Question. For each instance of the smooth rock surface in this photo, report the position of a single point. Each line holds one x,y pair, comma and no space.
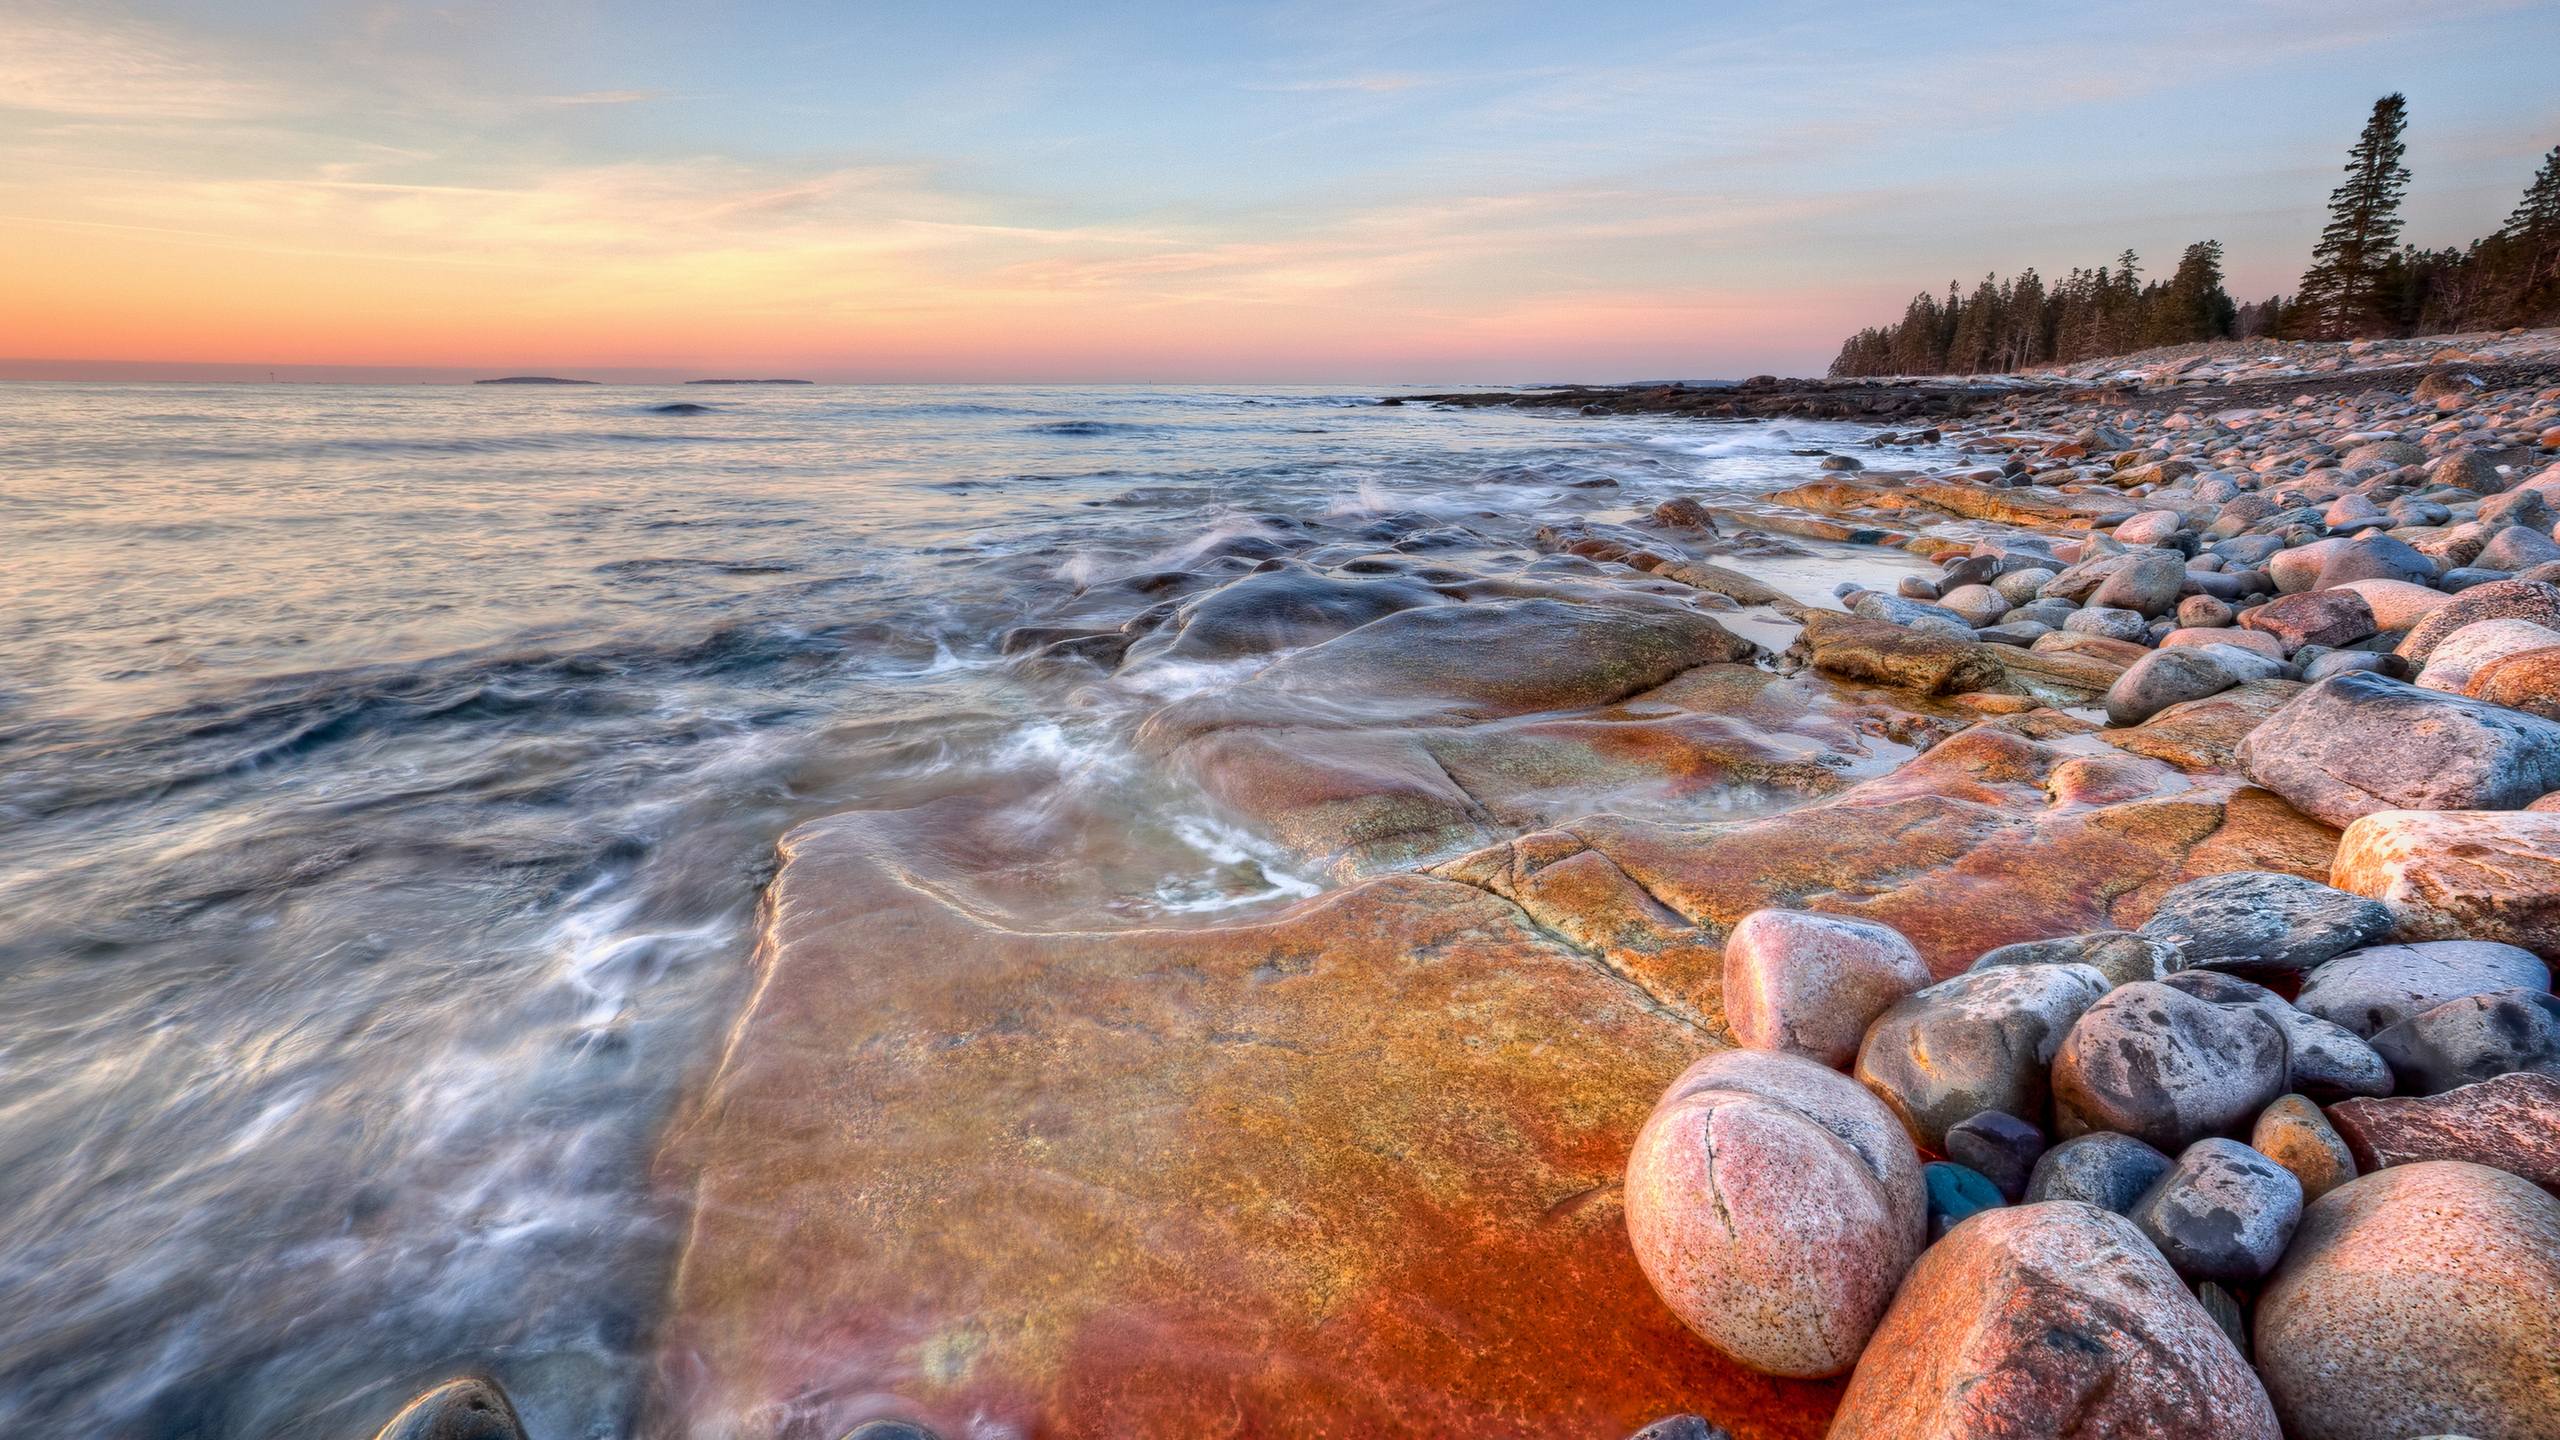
2496,600
2293,1133
2110,1171
2491,876
2122,956
1772,1204
2056,1320
2223,1212
1809,984
2416,1300
2511,1123
1984,1040
2370,990
2462,655
2156,1063
2474,1038
2357,743
2261,922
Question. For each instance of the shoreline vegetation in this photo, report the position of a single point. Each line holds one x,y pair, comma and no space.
2362,283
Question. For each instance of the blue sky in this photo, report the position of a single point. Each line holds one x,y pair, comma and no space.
1146,191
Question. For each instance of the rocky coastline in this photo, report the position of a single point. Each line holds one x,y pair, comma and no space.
2122,1007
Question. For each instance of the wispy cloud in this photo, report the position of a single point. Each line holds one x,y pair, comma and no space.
60,61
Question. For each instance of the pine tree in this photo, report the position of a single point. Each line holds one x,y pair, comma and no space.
2532,235
2342,292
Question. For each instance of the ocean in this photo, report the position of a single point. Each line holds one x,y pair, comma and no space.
388,776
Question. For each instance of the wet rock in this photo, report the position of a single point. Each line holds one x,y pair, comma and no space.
1808,984
1984,1040
2368,991
2315,617
2357,743
2496,600
1916,615
2474,1038
2156,1063
2164,678
466,1409
890,1430
1957,1193
2108,1170
2293,1133
1281,610
2120,955
1774,1205
1011,1133
2223,1212
2511,1123
2049,1320
2261,922
2464,653
2416,1300
1999,1147
2487,875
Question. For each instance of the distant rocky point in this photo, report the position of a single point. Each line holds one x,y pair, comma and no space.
532,380
747,382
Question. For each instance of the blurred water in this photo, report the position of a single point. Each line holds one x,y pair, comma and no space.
387,776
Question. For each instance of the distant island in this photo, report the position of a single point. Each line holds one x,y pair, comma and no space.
532,380
747,382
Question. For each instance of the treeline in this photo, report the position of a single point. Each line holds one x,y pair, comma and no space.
2361,282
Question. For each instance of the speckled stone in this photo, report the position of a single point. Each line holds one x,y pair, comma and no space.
1809,984
2358,743
2223,1212
2370,990
1984,1040
2256,921
1774,1205
2056,1319
2120,955
2156,1063
2474,1038
2293,1133
2107,1170
2417,1300
2478,875
2511,1123
2324,1061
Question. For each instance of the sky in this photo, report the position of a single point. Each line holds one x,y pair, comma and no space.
1397,190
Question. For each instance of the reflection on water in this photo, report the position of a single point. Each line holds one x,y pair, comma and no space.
387,777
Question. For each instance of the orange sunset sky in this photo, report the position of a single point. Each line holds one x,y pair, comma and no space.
1168,192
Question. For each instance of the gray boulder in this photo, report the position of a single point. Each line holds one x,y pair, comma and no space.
1984,1040
2478,1037
2120,955
2357,743
2369,991
2149,586
2325,1061
2374,557
2260,921
2164,678
2114,624
2492,600
2154,1062
2110,1171
2223,1212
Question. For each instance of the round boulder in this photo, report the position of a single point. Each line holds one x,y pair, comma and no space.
1774,1205
2370,990
2475,1038
2156,1063
2263,921
1984,1040
2049,1320
1809,984
2417,1301
2110,1171
2223,1212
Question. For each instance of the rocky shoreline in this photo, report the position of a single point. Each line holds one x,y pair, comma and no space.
2096,984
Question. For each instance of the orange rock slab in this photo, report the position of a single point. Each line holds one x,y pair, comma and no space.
1352,1171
